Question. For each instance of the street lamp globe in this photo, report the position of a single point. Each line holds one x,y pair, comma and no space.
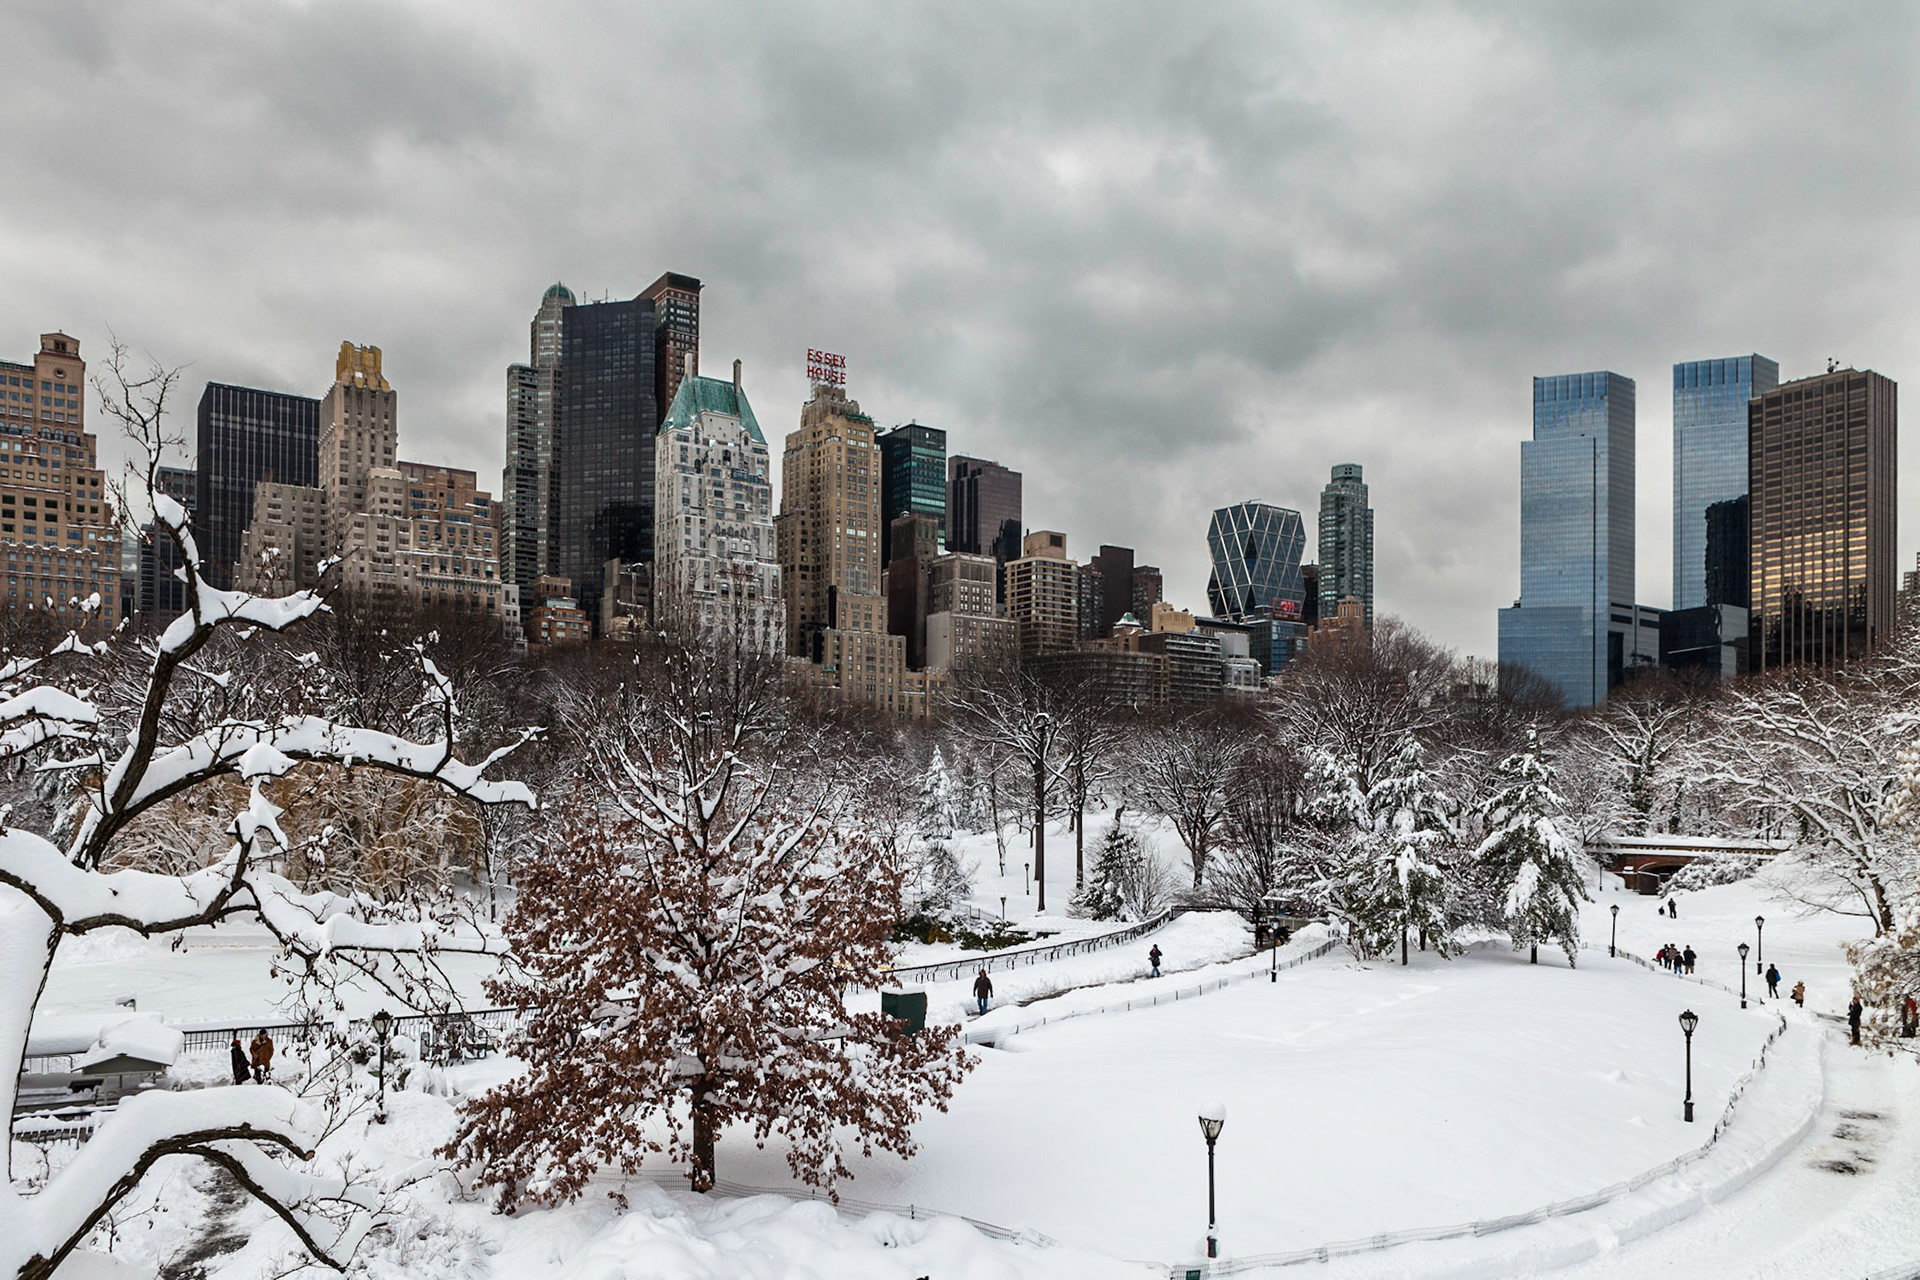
1688,1021
382,1023
1212,1120
1743,949
1615,908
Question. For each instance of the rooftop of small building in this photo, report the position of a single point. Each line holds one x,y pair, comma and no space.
698,395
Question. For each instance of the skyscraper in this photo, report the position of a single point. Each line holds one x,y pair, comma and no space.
913,480
983,512
716,565
1256,549
1346,543
161,596
244,436
1709,455
676,333
1820,456
526,483
829,523
1576,539
1113,570
1043,594
603,443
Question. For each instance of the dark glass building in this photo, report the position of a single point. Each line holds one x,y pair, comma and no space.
1256,548
246,435
1709,456
983,513
603,443
1728,551
913,480
1115,569
1820,459
160,597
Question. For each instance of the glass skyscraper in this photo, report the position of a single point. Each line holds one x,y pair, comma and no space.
1346,542
1575,624
1256,549
244,436
1709,455
913,480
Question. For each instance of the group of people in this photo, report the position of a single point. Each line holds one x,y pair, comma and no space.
255,1062
1674,960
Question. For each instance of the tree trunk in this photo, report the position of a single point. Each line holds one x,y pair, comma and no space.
705,1124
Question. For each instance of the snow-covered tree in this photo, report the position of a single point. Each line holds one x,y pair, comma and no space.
940,800
124,758
1529,862
686,945
1115,862
1182,774
1411,825
1009,712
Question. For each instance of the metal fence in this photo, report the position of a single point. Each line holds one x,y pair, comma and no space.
1492,1226
1014,957
441,1036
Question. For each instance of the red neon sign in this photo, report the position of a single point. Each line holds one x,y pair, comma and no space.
826,367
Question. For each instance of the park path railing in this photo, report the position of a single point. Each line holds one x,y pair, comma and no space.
1040,953
1492,1226
1312,951
439,1029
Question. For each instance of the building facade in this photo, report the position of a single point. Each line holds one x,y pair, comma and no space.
527,480
716,567
160,595
1255,548
1709,456
1043,594
828,529
913,481
1821,472
1576,538
676,334
245,436
56,521
983,511
1346,542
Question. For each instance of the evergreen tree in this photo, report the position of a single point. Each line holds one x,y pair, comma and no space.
1411,824
940,800
1529,860
1116,865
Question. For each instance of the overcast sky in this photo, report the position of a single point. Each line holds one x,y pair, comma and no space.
1158,258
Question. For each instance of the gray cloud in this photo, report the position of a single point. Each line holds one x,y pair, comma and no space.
1158,259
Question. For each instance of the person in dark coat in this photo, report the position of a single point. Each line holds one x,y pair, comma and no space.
1673,908
242,1069
1688,956
1153,958
1854,1010
983,988
1773,982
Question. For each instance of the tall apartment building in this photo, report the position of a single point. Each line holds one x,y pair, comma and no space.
676,334
983,512
1114,571
1255,548
829,523
964,629
916,544
913,481
603,453
406,531
160,595
1346,542
1821,457
716,566
1574,622
527,481
1709,456
1043,594
56,522
1148,588
245,436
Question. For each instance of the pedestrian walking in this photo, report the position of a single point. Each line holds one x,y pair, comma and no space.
983,988
1854,1010
1689,957
1661,956
242,1069
1909,1017
1800,994
1673,908
261,1051
1153,958
1773,982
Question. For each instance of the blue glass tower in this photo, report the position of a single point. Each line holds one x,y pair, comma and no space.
1709,455
1576,538
1256,549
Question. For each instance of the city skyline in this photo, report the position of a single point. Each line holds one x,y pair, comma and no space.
1015,295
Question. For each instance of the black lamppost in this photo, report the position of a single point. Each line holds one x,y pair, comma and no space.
1273,951
1614,937
1688,1021
1212,1120
1743,975
382,1028
1759,944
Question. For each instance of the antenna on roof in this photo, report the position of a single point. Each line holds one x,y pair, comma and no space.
1833,364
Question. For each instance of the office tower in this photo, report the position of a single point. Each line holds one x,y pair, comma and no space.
1113,578
1255,548
915,538
1821,454
1728,548
411,532
526,483
603,443
160,595
1043,594
1346,542
56,522
676,334
983,512
1709,455
963,626
1309,596
1576,538
245,436
913,481
716,568
1147,590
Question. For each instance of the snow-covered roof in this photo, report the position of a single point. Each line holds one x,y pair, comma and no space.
99,1037
1695,844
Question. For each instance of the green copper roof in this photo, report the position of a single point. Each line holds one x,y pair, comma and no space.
699,395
